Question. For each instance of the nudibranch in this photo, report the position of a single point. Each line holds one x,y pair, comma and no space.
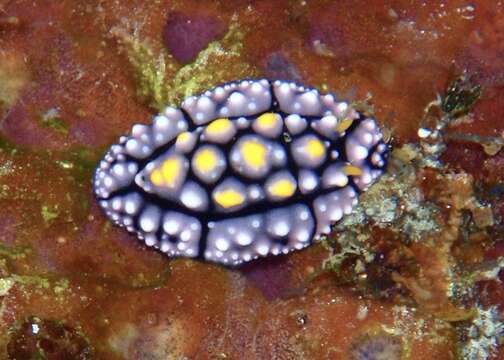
245,170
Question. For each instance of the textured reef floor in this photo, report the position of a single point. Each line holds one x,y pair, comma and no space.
414,273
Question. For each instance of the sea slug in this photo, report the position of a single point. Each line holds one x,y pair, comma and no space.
245,170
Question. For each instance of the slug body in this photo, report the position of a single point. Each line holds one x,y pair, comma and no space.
245,170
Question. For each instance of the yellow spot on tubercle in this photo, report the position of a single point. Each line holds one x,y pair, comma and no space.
267,120
282,188
218,126
254,154
352,170
183,137
343,125
205,160
167,173
229,198
157,178
315,148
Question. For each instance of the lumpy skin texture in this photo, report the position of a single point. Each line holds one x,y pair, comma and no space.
245,170
119,294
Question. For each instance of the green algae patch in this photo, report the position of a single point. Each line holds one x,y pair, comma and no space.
150,70
220,62
52,119
6,168
160,79
460,96
14,253
74,168
49,214
61,286
79,164
5,285
7,147
81,161
41,284
54,184
32,280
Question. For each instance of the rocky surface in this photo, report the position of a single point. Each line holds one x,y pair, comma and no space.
415,273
